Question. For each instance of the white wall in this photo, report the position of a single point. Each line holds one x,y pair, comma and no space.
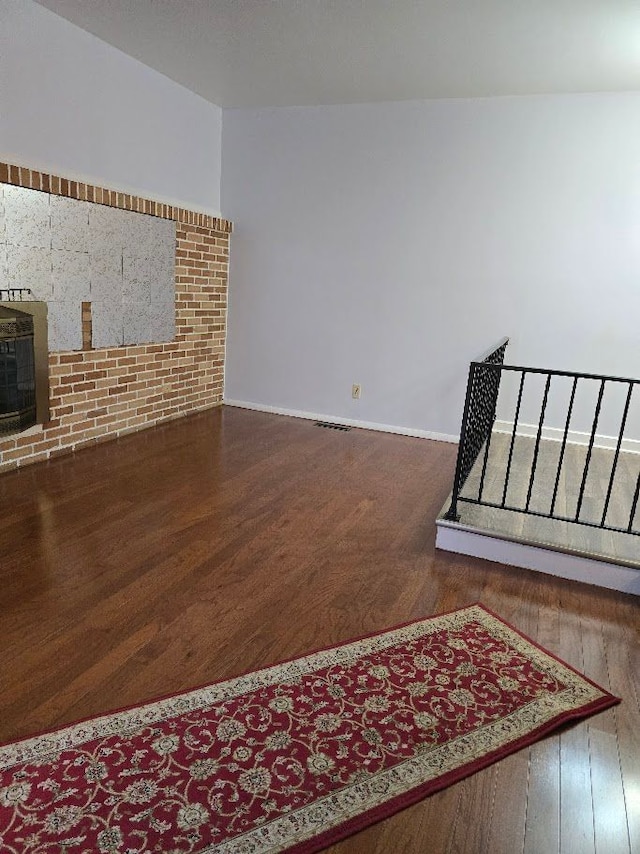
72,105
389,244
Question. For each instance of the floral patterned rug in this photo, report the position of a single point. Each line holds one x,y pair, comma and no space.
296,756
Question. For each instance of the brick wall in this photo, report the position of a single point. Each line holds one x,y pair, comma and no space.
100,394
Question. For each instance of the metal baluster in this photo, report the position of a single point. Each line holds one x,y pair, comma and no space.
534,462
617,454
564,444
589,450
513,437
634,505
452,512
494,377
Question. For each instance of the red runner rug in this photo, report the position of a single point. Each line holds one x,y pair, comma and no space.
296,756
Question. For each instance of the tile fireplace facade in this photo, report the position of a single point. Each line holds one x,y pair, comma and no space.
98,394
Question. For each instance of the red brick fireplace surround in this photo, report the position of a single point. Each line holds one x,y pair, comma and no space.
104,393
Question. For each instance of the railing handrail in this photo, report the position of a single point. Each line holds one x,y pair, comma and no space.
483,386
488,353
556,373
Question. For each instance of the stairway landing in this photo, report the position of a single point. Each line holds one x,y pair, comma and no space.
567,549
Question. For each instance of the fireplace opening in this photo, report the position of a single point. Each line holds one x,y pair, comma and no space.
24,379
17,371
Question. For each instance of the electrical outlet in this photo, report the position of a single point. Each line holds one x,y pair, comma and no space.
355,391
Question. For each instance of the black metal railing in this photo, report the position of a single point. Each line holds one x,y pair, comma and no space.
478,416
522,471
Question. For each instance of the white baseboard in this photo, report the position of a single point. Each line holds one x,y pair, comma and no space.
575,437
347,422
549,561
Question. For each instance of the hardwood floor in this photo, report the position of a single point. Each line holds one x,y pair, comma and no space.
232,539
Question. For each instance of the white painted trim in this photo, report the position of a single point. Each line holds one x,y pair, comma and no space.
575,437
561,564
347,422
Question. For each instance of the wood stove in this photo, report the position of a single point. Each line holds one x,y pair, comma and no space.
24,380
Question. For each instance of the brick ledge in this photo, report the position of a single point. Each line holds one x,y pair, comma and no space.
23,176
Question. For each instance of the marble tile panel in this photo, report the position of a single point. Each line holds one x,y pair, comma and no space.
166,235
3,237
137,323
65,325
107,228
27,217
162,277
69,224
164,291
29,267
163,321
136,277
166,244
70,275
3,267
130,228
140,235
106,275
107,324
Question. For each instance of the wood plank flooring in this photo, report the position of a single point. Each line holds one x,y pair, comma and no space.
231,540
